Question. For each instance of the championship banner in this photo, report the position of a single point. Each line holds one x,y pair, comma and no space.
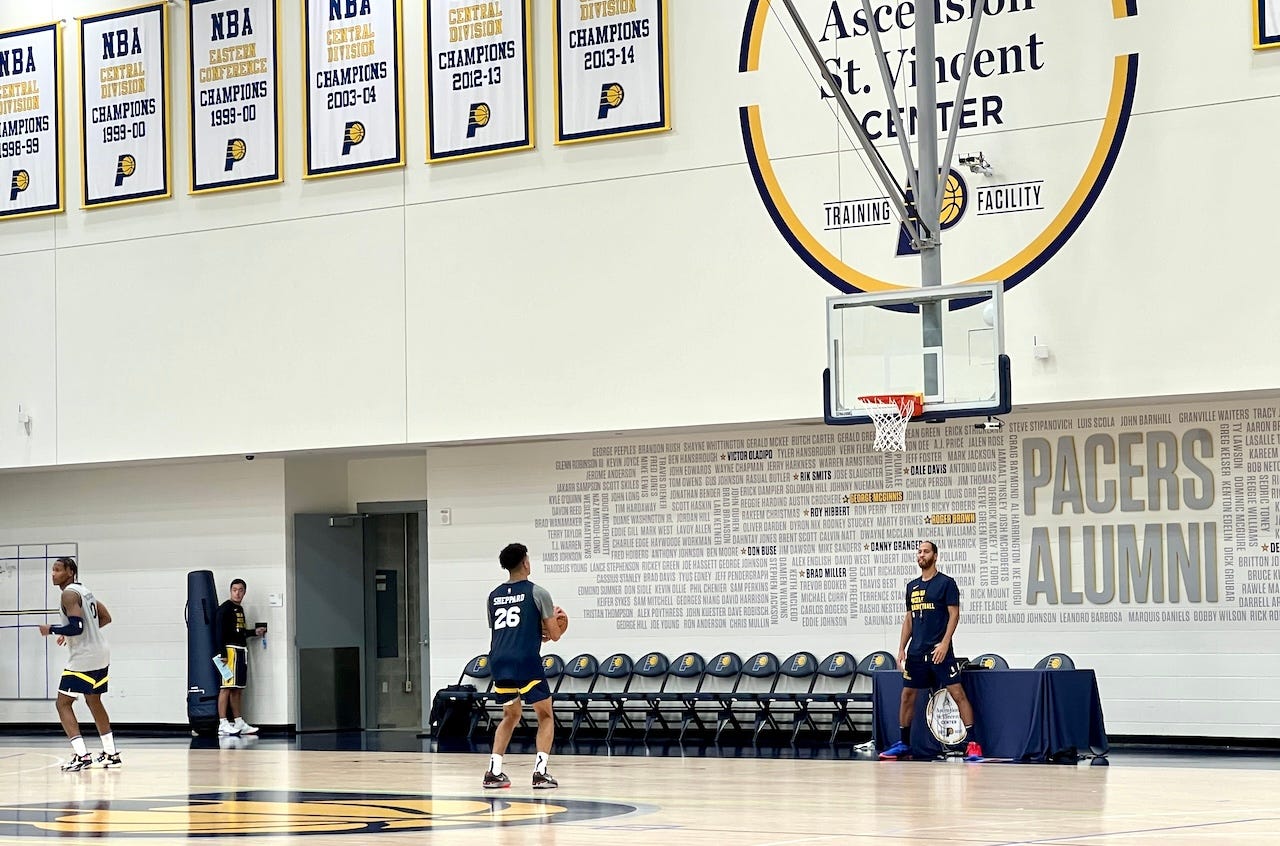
235,94
1266,23
612,75
31,121
479,78
354,85
124,96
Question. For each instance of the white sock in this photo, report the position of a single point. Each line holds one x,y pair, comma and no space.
77,745
109,743
495,764
540,765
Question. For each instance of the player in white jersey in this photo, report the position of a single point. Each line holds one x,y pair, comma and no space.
83,617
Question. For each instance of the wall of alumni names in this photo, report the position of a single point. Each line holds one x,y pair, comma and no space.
1149,517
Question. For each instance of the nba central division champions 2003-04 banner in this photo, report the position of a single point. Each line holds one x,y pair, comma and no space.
354,85
30,121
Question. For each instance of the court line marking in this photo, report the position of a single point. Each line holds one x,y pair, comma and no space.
1078,837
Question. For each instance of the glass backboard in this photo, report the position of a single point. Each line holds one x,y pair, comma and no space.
945,342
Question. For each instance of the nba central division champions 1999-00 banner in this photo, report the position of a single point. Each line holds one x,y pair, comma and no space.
354,85
124,121
235,93
479,78
31,121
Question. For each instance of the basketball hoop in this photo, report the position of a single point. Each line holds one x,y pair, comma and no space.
891,413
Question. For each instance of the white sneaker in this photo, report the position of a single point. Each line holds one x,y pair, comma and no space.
242,727
226,728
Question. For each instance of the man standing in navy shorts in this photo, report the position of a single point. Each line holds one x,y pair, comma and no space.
924,650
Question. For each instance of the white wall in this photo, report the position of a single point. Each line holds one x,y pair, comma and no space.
637,283
140,531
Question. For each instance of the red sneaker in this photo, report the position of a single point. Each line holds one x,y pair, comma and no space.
973,752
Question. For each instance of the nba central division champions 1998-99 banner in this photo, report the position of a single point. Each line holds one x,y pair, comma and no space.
30,121
235,93
124,121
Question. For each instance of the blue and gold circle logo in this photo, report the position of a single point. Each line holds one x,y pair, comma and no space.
272,812
1038,86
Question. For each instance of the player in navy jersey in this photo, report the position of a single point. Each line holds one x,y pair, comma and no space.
924,650
521,616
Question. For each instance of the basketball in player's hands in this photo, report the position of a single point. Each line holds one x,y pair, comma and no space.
563,618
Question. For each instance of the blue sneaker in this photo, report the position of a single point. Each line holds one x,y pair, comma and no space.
896,751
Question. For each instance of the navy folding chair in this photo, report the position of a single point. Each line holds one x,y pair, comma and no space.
989,661
785,702
828,697
602,701
718,679
569,702
1056,661
683,677
758,677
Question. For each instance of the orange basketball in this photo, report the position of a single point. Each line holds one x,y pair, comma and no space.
563,618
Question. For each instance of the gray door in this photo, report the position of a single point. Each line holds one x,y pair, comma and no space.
329,620
394,657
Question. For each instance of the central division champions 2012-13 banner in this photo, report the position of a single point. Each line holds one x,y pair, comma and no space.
611,68
235,94
124,121
479,78
354,85
31,121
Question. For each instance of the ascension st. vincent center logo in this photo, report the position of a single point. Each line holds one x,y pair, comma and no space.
1042,123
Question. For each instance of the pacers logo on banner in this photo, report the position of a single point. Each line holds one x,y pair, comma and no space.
477,117
18,182
126,166
236,151
1037,83
352,135
611,96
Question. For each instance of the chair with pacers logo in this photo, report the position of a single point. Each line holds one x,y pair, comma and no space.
988,661
648,676
876,662
1056,661
827,701
785,704
569,702
552,669
758,677
602,701
704,705
682,678
466,698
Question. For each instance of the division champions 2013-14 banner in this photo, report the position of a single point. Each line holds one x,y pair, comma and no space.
31,162
611,65
124,123
479,78
235,93
354,87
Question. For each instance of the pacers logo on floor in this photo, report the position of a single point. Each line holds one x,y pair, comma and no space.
1042,74
269,812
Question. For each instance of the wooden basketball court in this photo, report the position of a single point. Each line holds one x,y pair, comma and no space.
169,793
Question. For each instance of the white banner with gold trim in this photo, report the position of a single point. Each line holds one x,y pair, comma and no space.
611,65
235,93
1266,23
479,78
124,96
31,164
354,89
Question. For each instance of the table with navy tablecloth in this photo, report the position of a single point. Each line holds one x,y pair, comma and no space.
1021,715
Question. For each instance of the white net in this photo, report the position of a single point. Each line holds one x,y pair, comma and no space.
891,415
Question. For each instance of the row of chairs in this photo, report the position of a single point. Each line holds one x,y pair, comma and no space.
722,693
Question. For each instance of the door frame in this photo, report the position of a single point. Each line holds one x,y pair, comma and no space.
408,506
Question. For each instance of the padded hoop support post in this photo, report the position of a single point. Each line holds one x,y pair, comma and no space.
1004,373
